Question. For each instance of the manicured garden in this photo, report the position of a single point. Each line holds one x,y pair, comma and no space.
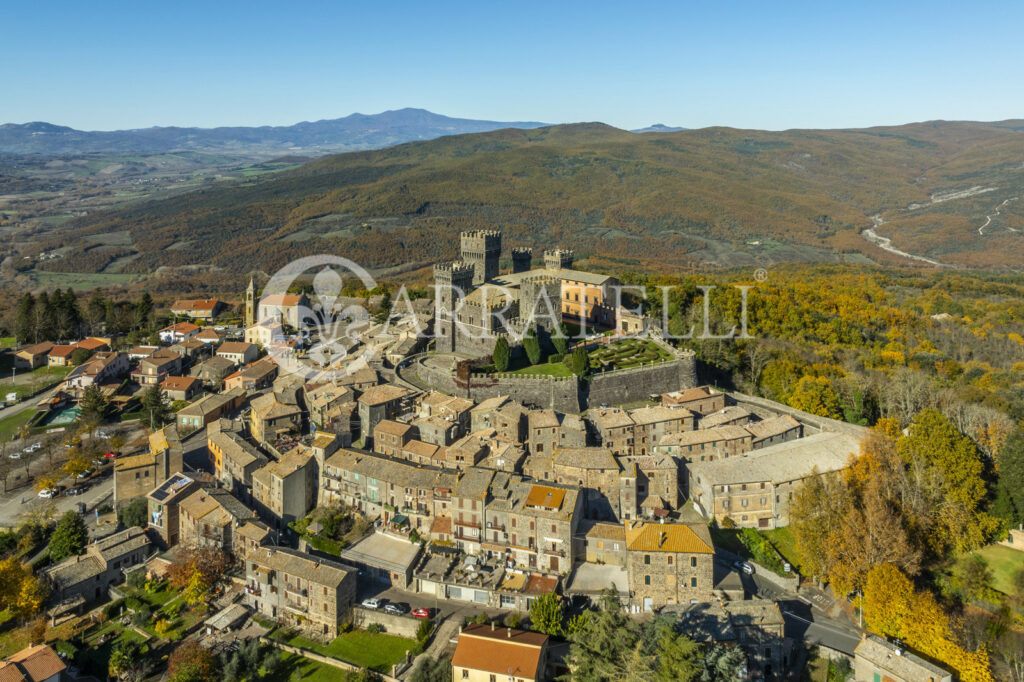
626,353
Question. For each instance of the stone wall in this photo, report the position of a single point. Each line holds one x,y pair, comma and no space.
812,423
403,626
567,394
637,383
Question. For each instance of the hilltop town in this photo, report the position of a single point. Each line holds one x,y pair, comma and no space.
412,486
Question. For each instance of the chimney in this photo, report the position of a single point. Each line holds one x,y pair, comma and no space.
510,633
460,629
661,538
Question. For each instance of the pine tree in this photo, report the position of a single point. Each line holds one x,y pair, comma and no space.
93,404
154,403
580,361
24,320
69,538
532,346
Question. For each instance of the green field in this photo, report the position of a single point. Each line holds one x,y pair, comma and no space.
294,668
552,369
367,650
785,543
1003,562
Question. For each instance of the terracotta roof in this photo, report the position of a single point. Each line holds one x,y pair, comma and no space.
10,672
38,349
504,651
234,347
689,394
441,525
391,427
39,662
193,304
61,351
281,299
178,383
91,343
545,497
669,537
182,328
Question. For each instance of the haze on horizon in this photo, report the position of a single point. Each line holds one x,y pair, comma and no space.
108,66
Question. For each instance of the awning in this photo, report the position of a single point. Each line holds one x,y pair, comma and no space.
400,520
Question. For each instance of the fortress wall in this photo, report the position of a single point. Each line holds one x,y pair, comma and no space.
636,384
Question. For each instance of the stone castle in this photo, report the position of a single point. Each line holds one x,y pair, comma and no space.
476,304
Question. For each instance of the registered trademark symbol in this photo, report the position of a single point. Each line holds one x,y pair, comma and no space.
761,275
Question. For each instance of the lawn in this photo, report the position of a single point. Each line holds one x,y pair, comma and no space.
785,543
294,668
359,647
552,369
7,341
1003,562
11,426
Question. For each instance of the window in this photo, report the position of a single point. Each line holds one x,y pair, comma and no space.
693,582
465,674
647,558
693,562
669,559
647,580
494,678
554,528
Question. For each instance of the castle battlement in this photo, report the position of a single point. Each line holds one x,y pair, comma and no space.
453,268
481,234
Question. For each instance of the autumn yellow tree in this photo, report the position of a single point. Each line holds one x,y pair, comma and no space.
892,607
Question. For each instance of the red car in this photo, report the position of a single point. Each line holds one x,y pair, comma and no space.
110,454
421,613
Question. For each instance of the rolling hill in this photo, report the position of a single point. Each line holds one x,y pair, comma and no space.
354,132
708,197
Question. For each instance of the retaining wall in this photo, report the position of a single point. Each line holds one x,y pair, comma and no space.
764,408
637,383
403,626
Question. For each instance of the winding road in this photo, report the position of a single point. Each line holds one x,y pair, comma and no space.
999,208
885,243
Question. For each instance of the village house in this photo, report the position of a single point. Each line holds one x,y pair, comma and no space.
156,367
308,593
136,475
774,430
238,352
163,506
234,459
191,351
389,437
755,490
176,333
60,355
732,415
89,575
208,408
504,415
181,388
253,377
209,336
285,490
38,663
615,428
136,353
657,483
876,659
706,445
212,371
210,518
488,653
33,356
271,417
376,403
668,563
320,398
651,424
700,400
103,367
594,470
197,308
548,430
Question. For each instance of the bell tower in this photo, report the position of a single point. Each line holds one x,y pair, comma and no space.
250,304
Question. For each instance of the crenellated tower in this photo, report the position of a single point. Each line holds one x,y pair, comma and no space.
452,281
482,250
522,258
559,259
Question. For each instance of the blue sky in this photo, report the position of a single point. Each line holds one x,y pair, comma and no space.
768,64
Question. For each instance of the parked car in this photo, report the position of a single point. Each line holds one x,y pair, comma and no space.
396,608
75,491
35,446
744,566
85,474
48,493
15,455
421,613
110,454
372,603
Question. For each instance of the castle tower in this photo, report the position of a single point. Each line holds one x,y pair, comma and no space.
250,304
559,259
522,258
482,250
452,281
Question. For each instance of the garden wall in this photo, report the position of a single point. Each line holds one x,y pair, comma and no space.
637,383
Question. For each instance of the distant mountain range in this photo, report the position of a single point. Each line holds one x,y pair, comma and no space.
659,128
351,133
928,194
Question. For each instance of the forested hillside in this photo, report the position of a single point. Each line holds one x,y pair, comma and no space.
947,192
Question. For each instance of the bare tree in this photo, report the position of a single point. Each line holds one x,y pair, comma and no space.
1009,649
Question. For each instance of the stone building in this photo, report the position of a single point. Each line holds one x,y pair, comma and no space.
596,472
162,505
548,431
90,574
377,403
390,437
668,563
755,490
136,475
234,458
211,518
615,428
651,424
504,415
657,482
285,490
309,593
876,659
700,400
774,430
706,445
